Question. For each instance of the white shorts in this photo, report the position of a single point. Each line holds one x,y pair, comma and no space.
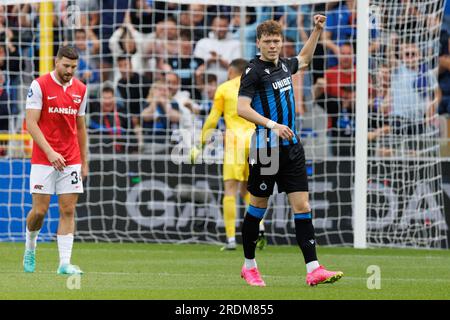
47,180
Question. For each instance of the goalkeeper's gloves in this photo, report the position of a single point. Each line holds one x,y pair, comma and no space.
195,152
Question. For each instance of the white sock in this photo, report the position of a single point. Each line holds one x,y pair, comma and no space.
311,266
250,263
65,243
261,227
232,240
31,239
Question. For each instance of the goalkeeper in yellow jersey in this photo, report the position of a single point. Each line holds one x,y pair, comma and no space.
237,142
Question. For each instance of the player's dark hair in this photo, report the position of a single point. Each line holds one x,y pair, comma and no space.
270,28
239,64
67,51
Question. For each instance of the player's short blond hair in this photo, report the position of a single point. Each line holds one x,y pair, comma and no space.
270,28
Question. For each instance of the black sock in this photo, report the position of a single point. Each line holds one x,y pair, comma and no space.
304,231
250,231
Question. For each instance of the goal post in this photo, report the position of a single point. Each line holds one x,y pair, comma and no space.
361,127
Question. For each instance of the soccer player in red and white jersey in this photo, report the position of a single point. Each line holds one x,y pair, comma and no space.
55,118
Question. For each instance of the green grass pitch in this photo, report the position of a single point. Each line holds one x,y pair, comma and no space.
175,272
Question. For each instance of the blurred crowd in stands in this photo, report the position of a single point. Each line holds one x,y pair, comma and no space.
152,67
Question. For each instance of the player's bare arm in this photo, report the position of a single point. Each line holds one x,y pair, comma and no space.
82,142
306,54
32,118
247,112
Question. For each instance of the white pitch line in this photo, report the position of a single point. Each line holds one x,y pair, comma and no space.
165,274
347,255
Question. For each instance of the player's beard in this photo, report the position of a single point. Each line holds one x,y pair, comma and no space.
65,77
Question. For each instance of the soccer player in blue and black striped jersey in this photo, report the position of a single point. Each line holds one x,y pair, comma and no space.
266,98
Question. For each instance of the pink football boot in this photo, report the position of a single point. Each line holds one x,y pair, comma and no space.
321,275
252,276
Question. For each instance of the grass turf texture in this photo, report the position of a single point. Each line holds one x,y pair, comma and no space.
169,271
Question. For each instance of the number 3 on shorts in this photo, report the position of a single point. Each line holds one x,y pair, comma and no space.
74,174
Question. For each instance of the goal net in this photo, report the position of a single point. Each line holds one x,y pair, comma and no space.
152,68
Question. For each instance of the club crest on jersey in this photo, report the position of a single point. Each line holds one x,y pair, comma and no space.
267,71
30,93
76,98
284,67
247,70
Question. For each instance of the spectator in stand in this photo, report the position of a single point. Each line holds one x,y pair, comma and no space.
90,17
27,30
162,44
340,28
112,13
159,118
126,40
4,106
343,127
185,64
25,19
379,108
10,59
208,90
289,20
133,89
414,90
343,74
213,11
87,49
249,30
328,92
345,124
444,73
107,126
4,114
141,16
163,10
305,26
186,106
446,18
219,49
192,19
5,26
